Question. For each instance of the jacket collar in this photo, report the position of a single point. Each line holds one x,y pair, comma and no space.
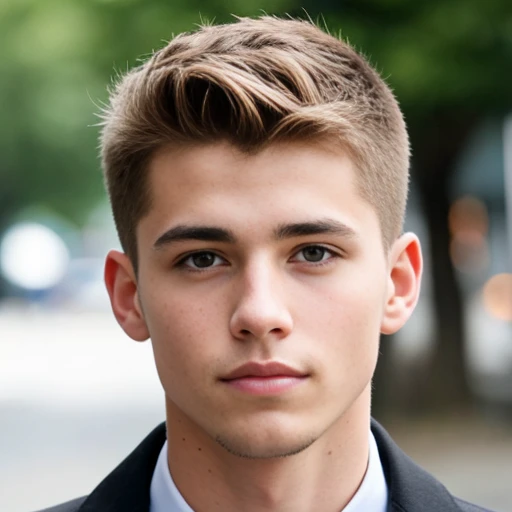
411,489
127,487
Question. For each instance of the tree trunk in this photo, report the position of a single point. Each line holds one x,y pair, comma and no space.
446,381
437,144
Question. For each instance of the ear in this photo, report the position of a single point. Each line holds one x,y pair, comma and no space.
405,268
122,289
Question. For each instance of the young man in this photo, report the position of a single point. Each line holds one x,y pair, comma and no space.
258,178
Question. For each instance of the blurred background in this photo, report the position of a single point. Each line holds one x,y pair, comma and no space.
76,395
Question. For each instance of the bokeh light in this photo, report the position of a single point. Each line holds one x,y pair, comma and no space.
469,223
497,296
33,257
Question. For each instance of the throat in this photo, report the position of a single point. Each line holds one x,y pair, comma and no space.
319,478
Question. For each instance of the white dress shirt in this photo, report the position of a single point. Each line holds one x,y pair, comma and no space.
372,495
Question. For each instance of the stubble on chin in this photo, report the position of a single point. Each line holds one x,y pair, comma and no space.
246,451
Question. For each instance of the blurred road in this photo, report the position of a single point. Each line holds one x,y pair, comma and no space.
76,396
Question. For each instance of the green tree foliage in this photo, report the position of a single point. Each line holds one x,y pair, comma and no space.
435,53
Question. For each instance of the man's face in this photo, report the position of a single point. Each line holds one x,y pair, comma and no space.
267,258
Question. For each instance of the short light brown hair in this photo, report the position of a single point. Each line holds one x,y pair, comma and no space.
254,82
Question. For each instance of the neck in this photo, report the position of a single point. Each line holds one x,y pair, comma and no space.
325,476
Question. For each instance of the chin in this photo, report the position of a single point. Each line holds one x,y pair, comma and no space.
273,446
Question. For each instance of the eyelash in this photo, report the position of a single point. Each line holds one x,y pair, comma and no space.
331,256
182,262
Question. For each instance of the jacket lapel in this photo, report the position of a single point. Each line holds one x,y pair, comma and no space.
127,487
411,489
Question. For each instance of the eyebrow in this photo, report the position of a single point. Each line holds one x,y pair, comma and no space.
205,233
182,233
319,227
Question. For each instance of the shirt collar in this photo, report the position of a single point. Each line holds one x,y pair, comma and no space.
163,494
372,495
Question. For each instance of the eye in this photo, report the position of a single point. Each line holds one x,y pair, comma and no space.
314,254
201,260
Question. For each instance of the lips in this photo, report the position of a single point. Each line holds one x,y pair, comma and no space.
272,369
264,379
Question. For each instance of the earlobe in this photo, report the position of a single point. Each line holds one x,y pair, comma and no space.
406,267
122,289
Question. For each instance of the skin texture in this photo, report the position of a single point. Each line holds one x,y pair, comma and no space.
316,302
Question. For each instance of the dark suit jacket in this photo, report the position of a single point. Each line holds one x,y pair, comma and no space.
126,489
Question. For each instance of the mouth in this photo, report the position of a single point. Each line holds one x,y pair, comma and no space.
264,378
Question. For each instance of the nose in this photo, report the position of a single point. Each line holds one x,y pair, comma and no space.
261,311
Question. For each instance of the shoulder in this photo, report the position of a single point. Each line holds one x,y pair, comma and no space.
469,507
127,486
69,506
410,487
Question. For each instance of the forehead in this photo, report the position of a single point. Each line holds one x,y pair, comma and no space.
225,162
281,184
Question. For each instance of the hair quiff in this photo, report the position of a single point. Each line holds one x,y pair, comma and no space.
254,82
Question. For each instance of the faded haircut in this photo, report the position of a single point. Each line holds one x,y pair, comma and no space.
252,83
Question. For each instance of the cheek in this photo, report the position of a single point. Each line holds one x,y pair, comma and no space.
344,320
183,334
351,302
